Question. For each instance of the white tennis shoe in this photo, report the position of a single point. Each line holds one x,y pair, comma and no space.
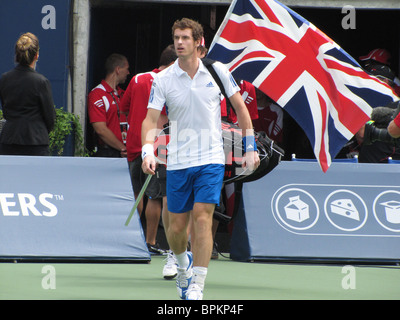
170,269
184,277
194,292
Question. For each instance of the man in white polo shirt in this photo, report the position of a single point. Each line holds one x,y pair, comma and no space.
195,167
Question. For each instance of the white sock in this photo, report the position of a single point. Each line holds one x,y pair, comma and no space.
183,260
199,276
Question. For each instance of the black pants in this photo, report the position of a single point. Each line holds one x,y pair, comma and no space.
107,152
24,150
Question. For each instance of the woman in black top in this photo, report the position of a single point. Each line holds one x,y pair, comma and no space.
27,103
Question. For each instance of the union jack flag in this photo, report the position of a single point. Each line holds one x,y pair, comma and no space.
321,86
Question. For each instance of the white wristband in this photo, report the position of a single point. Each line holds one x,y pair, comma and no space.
147,150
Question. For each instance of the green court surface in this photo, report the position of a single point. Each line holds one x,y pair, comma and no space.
227,280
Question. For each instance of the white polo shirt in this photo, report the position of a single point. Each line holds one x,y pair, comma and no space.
194,111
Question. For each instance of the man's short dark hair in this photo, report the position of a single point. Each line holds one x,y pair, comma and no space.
185,23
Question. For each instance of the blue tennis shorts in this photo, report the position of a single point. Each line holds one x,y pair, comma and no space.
195,184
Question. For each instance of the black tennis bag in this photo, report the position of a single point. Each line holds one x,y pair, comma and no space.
270,154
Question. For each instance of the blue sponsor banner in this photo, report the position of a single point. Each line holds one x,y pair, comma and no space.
352,212
68,208
49,20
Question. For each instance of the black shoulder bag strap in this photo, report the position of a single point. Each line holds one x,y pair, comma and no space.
208,64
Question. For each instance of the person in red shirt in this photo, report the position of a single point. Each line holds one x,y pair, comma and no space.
270,117
104,108
248,93
134,103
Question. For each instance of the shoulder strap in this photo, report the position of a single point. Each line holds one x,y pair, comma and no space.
208,64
